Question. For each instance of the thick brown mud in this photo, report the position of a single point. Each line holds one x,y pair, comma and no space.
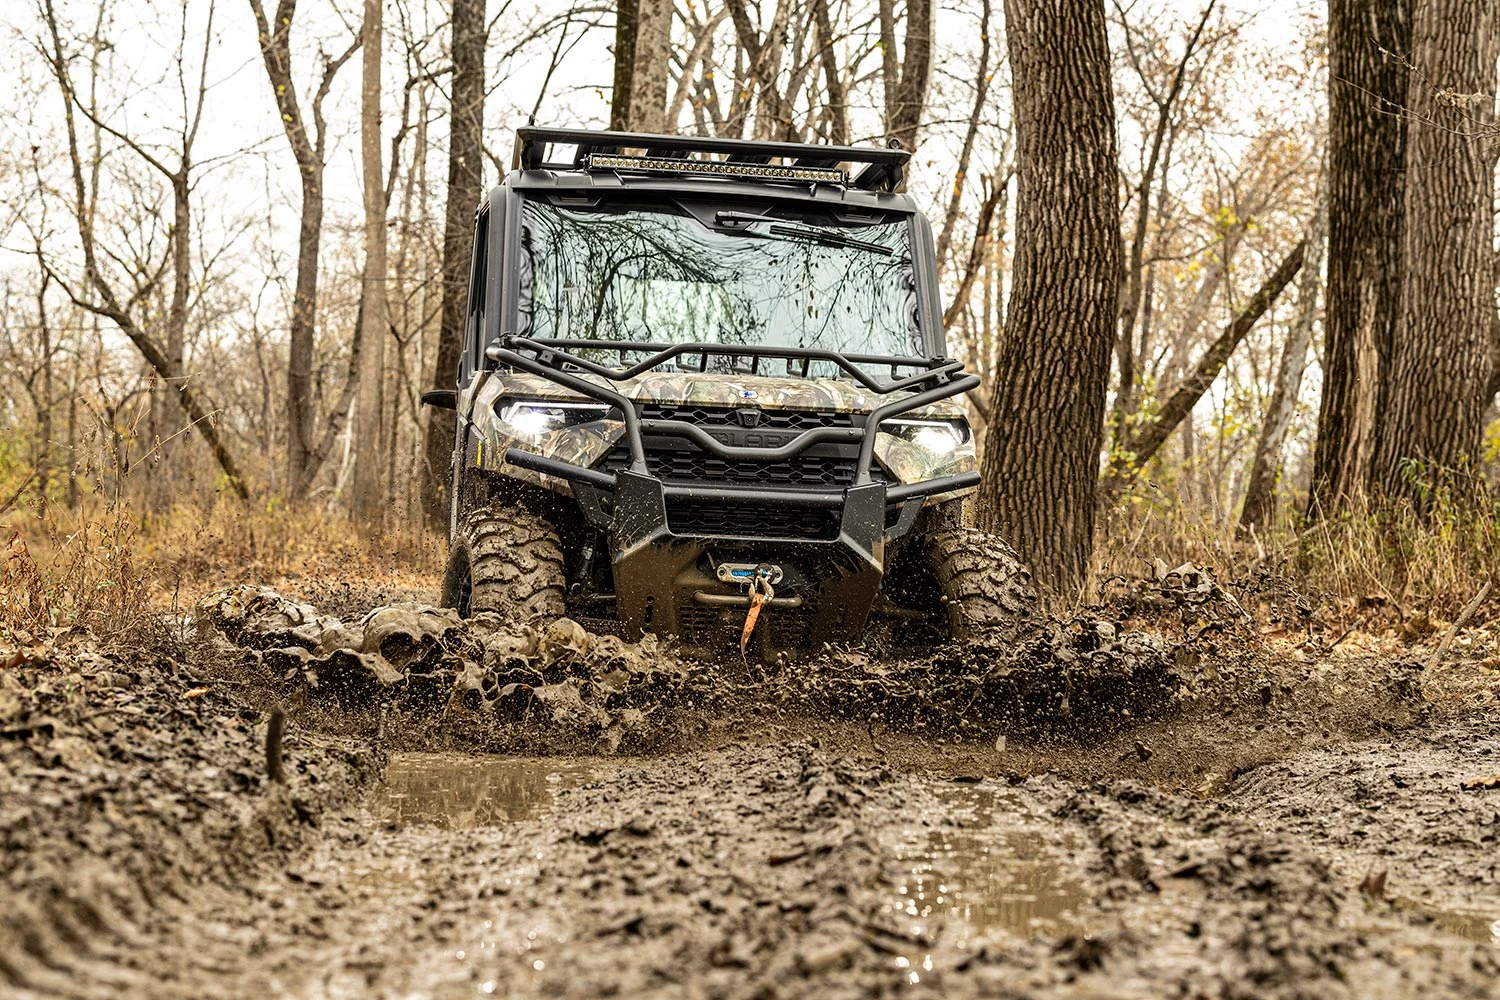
1200,814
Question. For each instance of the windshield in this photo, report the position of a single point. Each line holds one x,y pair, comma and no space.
698,273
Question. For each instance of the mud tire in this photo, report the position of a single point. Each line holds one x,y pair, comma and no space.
508,561
983,582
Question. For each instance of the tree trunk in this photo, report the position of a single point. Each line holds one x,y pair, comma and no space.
626,15
1041,456
367,501
653,54
304,454
465,185
909,94
1367,124
1260,494
1143,445
1440,364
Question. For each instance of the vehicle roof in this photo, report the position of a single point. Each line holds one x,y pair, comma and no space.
604,161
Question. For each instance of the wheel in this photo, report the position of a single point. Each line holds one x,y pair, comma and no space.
509,561
982,581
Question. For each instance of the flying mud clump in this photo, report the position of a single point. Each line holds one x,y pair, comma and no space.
421,659
1095,670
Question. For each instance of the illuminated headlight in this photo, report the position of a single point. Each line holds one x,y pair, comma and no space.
939,437
531,418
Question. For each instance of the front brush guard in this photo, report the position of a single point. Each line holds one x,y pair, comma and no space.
632,506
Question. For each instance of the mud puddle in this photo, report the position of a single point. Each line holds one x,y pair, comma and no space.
455,791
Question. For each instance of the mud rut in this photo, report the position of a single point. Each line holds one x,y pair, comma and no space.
1227,842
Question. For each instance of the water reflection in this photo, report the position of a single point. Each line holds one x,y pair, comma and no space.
458,791
984,876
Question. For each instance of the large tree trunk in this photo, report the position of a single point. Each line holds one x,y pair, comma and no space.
1041,456
1260,493
653,53
465,183
626,14
367,500
1441,360
1367,84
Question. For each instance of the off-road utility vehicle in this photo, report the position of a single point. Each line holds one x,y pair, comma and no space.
702,376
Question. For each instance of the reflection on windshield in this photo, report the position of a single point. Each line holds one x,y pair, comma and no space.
653,274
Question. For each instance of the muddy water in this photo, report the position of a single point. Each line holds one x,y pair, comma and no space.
977,874
459,791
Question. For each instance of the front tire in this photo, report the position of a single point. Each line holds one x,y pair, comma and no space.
983,582
508,561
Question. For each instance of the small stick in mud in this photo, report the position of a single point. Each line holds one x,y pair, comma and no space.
1458,623
274,733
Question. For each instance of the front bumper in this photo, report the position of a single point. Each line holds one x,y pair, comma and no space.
663,552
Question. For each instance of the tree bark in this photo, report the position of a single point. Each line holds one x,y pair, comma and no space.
1041,456
626,15
465,186
1440,365
367,500
1260,493
1367,134
653,54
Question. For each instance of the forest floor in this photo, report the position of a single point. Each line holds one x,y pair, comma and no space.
1161,797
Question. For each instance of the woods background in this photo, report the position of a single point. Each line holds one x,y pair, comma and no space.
1226,268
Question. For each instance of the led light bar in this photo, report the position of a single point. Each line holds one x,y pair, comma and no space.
714,168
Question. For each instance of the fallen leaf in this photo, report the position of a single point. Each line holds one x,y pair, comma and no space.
196,692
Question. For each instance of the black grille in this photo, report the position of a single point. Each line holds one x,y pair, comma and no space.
724,416
751,519
687,464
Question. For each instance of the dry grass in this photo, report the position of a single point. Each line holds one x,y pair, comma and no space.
194,548
1434,561
79,571
122,577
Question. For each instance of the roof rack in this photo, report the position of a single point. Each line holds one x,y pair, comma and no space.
881,168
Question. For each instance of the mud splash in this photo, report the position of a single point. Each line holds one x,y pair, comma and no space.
459,791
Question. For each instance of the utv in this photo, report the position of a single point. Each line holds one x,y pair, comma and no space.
705,376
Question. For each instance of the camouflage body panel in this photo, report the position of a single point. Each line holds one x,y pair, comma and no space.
586,444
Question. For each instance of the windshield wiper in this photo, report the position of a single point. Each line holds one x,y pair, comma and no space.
780,227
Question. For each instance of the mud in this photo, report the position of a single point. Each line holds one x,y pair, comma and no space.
1152,800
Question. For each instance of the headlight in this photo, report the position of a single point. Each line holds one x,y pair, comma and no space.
940,437
531,418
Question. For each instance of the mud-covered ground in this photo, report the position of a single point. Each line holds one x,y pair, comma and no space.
1161,798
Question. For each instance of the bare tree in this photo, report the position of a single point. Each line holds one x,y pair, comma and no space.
368,503
906,82
1260,493
1143,444
1042,449
98,292
648,77
465,181
306,451
1165,102
627,13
